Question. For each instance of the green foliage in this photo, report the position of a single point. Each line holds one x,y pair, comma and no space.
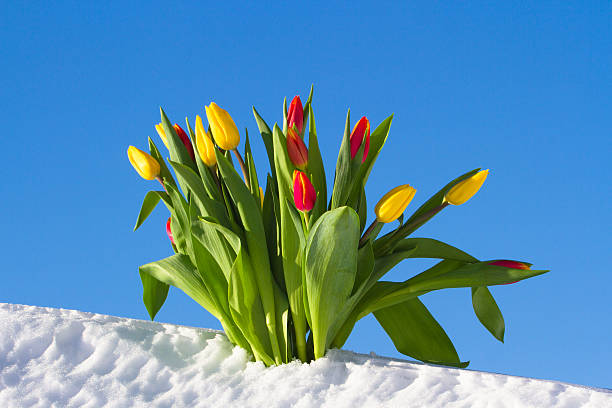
287,284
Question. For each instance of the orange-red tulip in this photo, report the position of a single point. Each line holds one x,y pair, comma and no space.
360,135
298,153
295,116
512,265
169,231
304,194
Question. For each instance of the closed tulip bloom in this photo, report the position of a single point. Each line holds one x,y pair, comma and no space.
205,145
223,128
464,190
304,194
162,134
360,135
143,163
394,203
510,264
295,116
169,231
298,153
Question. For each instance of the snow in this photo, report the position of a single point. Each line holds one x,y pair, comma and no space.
66,358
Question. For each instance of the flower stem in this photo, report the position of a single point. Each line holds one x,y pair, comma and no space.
245,173
367,233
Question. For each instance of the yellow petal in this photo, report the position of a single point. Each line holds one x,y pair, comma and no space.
205,146
161,133
223,127
143,163
394,203
464,190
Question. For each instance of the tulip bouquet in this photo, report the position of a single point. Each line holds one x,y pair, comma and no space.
287,272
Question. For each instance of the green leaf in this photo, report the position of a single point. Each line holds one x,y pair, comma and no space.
342,180
416,333
488,312
178,271
316,169
250,164
148,205
154,293
431,248
266,135
205,173
251,217
178,151
163,169
330,269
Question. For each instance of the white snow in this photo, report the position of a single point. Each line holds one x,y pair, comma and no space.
65,358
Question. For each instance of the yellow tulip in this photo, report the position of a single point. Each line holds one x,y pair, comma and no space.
206,147
261,196
223,128
393,204
143,163
162,134
464,190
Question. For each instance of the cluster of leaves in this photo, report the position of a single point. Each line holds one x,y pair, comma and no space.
286,286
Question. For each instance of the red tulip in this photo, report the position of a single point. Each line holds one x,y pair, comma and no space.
360,135
181,133
298,153
512,265
169,231
304,194
295,116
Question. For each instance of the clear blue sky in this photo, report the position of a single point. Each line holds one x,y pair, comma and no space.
522,89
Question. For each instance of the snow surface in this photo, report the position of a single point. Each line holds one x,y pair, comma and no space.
66,358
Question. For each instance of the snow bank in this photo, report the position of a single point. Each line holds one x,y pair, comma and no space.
65,358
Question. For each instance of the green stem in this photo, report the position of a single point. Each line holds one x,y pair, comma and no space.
245,173
367,233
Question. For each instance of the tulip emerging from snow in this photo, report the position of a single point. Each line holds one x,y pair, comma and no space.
393,204
304,194
223,128
205,145
295,116
298,153
360,135
143,163
464,190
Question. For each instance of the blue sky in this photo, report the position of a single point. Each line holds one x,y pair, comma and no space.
522,89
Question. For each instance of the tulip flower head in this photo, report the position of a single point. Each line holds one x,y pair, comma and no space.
295,116
181,134
464,190
205,145
223,128
360,135
394,203
169,231
143,163
298,153
304,194
511,264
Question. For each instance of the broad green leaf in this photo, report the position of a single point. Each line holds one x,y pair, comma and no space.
148,205
178,271
316,169
488,312
342,179
247,310
154,293
365,266
250,215
330,269
271,228
416,333
431,248
221,242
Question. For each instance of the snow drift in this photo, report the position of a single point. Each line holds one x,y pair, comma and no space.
65,358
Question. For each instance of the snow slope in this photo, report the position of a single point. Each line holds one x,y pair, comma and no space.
65,358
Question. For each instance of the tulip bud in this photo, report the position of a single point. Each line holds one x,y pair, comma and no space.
180,132
512,265
464,190
169,231
223,128
298,153
261,196
206,147
295,116
359,135
143,163
304,194
393,204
